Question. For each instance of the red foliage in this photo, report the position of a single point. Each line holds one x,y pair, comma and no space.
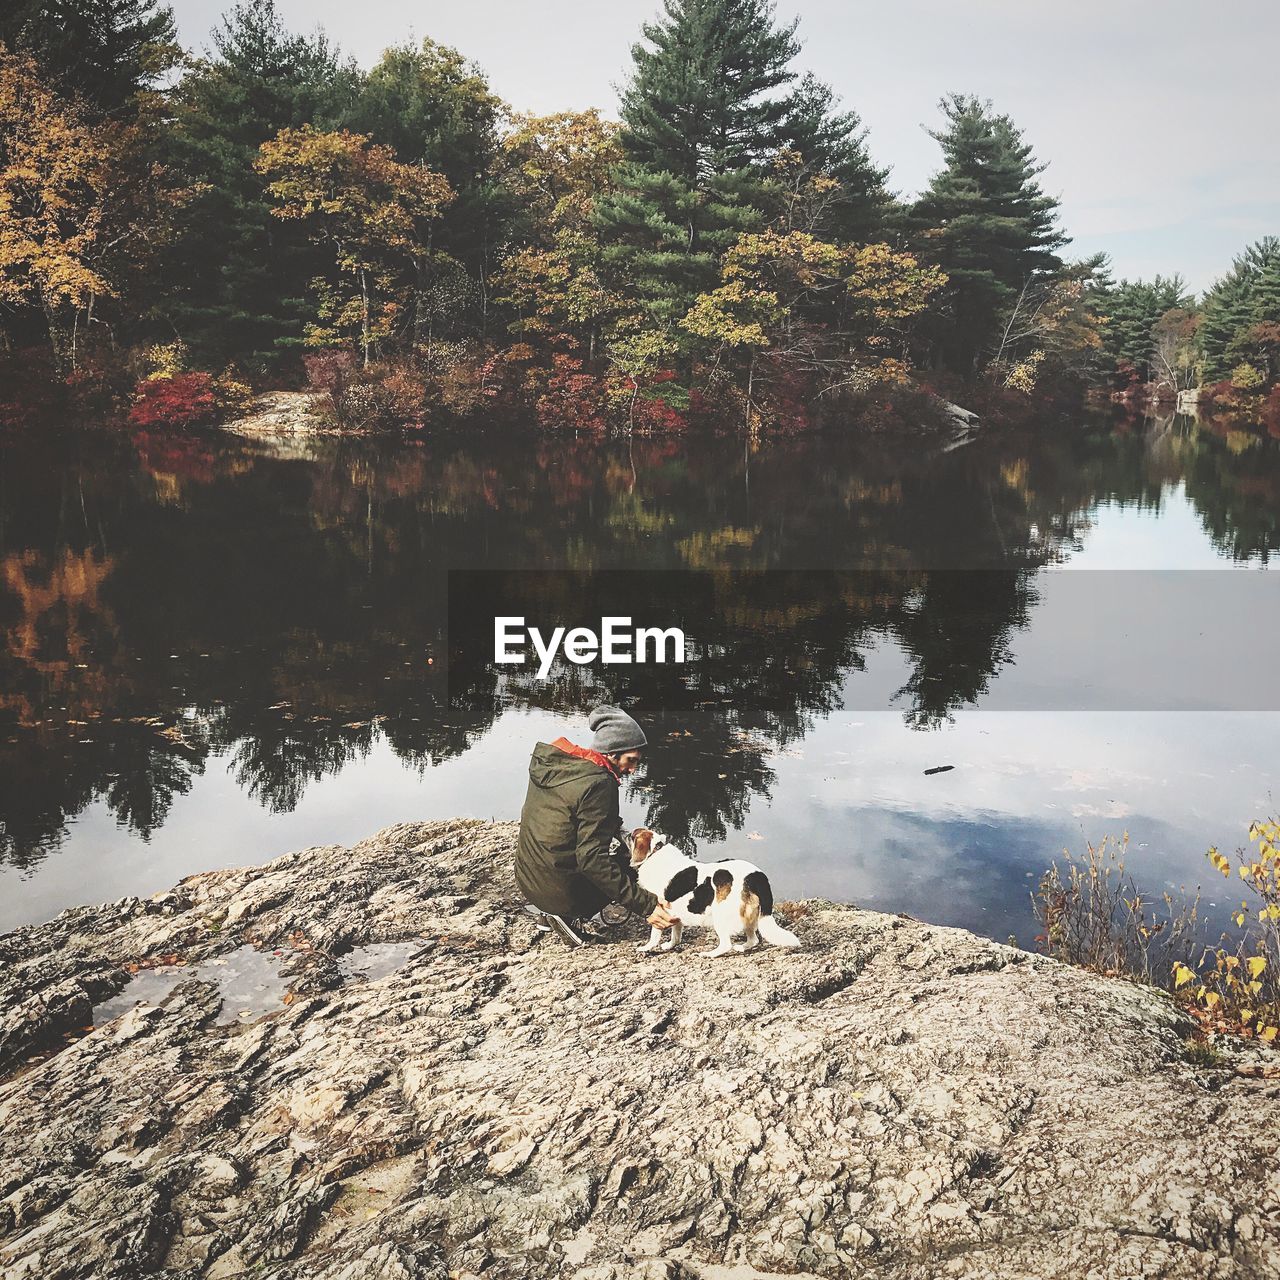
573,400
186,400
98,387
329,371
653,414
183,457
1270,416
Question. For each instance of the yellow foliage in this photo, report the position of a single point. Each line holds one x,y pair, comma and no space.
1238,986
371,209
166,360
1022,376
561,163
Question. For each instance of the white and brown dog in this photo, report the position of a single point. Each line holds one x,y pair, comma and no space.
732,896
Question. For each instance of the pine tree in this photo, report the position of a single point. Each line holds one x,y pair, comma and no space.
985,221
701,116
1264,331
832,142
1132,309
1232,307
699,104
105,52
241,275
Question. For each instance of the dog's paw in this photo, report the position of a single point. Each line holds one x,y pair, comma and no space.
711,955
743,947
645,948
668,946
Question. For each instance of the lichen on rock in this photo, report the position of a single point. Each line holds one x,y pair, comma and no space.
896,1100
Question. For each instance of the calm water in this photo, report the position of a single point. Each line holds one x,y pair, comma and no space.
217,651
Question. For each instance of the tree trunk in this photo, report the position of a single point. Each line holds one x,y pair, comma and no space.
58,342
364,314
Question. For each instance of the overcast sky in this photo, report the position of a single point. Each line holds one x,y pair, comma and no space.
1158,120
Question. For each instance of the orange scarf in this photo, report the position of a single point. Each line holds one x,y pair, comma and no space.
586,753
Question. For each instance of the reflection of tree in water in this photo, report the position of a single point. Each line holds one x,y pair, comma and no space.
956,630
280,611
767,656
1235,492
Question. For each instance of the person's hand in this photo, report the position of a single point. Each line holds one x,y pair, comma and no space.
661,918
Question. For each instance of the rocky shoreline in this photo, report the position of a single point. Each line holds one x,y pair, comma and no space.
284,415
896,1101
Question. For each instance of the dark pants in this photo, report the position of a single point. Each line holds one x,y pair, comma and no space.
571,896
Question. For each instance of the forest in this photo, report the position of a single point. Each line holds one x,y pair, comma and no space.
181,229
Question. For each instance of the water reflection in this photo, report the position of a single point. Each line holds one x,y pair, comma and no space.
177,608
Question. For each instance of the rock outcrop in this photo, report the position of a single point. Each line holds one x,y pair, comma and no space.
283,414
894,1101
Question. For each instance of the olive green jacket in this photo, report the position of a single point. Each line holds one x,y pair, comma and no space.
567,827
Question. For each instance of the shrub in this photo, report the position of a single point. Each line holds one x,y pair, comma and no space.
1235,986
232,395
1093,914
573,400
1244,377
329,371
166,360
381,397
187,400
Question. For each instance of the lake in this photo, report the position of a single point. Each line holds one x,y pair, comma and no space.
914,675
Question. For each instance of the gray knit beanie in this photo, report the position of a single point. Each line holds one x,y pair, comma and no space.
615,731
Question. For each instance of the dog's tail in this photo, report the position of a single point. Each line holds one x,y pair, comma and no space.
772,931
757,886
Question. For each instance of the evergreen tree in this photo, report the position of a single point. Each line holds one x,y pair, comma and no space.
701,117
434,107
832,142
699,101
1263,334
103,51
985,221
239,274
1132,308
1234,305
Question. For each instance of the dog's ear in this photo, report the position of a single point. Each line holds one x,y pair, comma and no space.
641,843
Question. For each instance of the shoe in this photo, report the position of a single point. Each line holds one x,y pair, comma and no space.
593,929
568,930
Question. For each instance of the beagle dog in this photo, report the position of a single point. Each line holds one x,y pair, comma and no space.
733,896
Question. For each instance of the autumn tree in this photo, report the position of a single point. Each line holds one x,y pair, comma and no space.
372,211
1053,326
1173,350
986,222
81,207
557,167
238,275
838,314
434,107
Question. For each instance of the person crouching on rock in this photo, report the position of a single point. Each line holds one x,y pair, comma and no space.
568,825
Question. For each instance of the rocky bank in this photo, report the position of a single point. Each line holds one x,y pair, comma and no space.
895,1101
